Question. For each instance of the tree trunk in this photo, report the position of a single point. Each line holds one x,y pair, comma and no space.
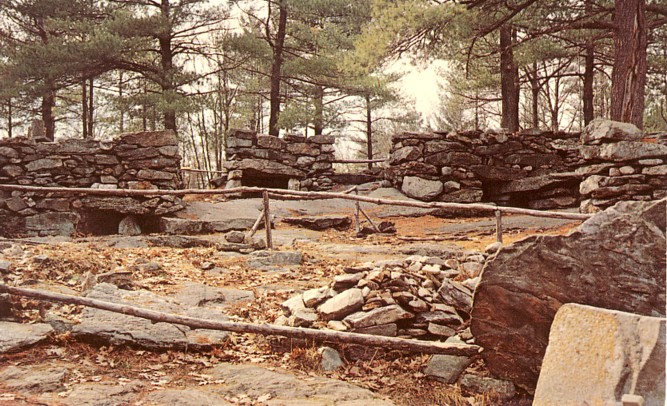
589,74
91,108
509,80
10,123
369,130
48,103
121,123
318,101
535,95
628,77
276,68
84,110
167,66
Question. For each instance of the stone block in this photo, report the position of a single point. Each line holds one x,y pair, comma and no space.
150,138
596,356
421,189
603,131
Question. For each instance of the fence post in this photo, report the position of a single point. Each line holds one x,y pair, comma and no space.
267,220
356,211
499,226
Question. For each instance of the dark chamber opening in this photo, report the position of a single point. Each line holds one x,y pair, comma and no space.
265,180
105,222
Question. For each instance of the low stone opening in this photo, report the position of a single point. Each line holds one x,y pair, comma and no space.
265,180
106,222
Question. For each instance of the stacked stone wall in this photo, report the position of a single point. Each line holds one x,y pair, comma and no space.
532,169
621,164
293,161
145,160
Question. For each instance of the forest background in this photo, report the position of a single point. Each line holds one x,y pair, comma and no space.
358,70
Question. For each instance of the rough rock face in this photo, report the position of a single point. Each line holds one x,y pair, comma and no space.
625,353
615,260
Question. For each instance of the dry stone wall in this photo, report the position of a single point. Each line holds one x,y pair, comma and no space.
532,169
621,164
293,162
607,163
144,160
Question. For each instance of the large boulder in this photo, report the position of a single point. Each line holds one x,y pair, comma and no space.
603,131
596,356
615,260
421,189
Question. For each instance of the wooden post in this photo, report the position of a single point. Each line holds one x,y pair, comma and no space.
255,226
356,212
369,219
267,220
499,226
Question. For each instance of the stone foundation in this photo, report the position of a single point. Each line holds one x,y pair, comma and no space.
292,162
145,160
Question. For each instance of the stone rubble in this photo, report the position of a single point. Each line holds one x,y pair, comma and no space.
420,297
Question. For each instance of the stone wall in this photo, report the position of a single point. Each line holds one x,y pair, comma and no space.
293,162
145,160
530,169
621,164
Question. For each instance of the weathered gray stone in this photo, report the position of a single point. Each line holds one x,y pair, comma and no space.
381,315
259,259
342,304
102,394
44,164
440,330
405,154
321,139
53,223
16,203
271,142
293,304
235,237
595,356
463,196
150,138
627,150
17,336
304,317
320,222
261,166
446,368
121,329
346,280
655,170
314,297
12,170
129,226
495,388
8,152
601,130
33,379
151,174
289,389
331,360
387,330
614,260
185,397
421,189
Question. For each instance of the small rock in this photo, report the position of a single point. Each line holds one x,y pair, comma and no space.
388,330
235,237
447,368
129,226
293,304
503,390
432,268
472,269
33,379
439,330
382,315
303,318
17,336
417,305
314,297
207,266
342,304
5,266
346,280
493,248
336,325
331,360
412,332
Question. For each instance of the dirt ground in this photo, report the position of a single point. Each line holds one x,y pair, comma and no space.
396,376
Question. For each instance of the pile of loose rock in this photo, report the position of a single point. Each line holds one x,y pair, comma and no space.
620,165
298,162
144,160
513,169
420,297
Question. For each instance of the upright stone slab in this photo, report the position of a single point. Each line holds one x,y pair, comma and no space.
614,260
595,356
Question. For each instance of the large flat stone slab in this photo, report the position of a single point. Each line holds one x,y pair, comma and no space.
17,336
121,329
595,356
